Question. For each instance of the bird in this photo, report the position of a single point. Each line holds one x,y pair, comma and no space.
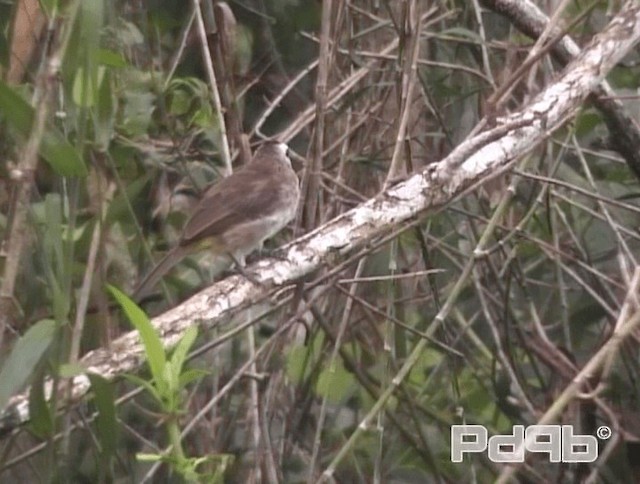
237,213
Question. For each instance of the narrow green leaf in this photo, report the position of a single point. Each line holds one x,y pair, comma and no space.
87,76
296,363
182,348
53,245
169,391
148,334
24,358
193,374
142,457
106,423
40,414
105,111
54,148
84,90
136,380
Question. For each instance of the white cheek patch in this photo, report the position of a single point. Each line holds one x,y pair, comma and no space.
283,148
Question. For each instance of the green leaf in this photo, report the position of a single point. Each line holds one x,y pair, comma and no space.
54,148
152,344
40,415
106,423
59,274
335,384
203,117
182,348
193,374
104,113
297,363
15,109
84,91
136,380
300,359
169,389
59,153
24,358
111,58
68,370
142,457
91,18
180,102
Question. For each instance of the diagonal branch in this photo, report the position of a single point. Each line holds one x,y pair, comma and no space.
624,133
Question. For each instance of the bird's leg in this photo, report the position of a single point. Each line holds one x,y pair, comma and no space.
260,252
239,264
276,253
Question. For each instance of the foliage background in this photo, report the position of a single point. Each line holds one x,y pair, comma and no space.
131,144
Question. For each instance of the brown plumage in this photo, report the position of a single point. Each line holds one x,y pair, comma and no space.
238,213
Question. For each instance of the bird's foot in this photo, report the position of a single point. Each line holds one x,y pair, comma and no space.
278,254
240,270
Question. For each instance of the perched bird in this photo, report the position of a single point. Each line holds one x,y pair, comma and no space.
237,213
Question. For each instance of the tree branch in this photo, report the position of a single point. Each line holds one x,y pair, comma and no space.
624,132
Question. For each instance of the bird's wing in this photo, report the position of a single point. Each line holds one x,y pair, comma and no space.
221,205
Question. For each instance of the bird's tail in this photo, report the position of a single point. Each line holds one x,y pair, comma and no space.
169,260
